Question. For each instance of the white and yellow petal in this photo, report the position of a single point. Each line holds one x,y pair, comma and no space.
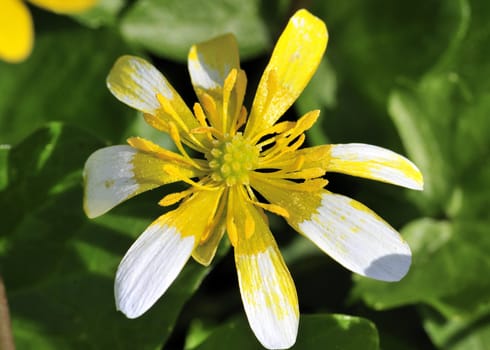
16,31
267,289
294,60
117,173
137,83
65,6
345,229
160,253
357,238
373,162
218,81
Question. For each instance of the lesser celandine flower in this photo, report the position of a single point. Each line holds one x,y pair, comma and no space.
242,155
16,29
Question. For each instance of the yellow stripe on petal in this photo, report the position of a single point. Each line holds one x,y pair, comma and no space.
65,6
117,173
16,31
159,254
219,82
267,289
294,60
374,163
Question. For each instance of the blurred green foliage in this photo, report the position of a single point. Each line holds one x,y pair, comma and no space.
409,76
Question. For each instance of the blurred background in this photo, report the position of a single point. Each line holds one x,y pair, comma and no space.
413,77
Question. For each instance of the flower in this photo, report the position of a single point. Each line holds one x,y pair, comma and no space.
16,28
242,156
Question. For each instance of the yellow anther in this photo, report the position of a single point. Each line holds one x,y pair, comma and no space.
242,119
175,172
199,114
228,85
273,208
156,122
170,111
209,106
173,198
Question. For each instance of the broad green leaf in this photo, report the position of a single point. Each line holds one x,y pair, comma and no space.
104,12
59,266
63,80
443,119
169,28
315,332
374,43
459,332
449,270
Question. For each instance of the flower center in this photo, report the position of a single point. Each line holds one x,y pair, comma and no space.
231,160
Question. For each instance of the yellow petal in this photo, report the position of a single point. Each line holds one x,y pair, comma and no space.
65,6
16,31
267,289
294,61
159,254
219,82
117,173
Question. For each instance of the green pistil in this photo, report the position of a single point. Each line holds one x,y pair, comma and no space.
231,160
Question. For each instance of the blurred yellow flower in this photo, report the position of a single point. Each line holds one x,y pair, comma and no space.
243,156
16,28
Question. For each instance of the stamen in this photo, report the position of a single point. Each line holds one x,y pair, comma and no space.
199,114
176,197
149,147
209,106
228,85
230,222
214,221
173,171
174,134
169,109
309,173
310,185
156,122
278,128
273,208
242,119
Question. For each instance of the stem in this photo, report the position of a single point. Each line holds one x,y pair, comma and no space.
6,338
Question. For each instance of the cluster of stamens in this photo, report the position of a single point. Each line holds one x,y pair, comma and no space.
231,160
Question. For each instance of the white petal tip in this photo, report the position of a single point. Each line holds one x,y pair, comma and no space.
389,268
149,267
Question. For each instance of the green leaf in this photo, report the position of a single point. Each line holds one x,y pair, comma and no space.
373,43
443,119
63,80
315,332
59,266
169,28
4,152
104,12
455,254
459,332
